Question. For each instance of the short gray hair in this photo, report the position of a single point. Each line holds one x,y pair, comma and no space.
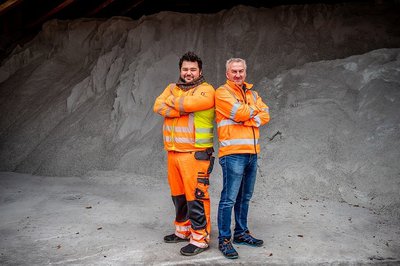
235,60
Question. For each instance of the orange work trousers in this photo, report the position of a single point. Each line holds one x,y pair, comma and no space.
189,180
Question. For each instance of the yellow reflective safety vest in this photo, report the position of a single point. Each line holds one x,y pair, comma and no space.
188,117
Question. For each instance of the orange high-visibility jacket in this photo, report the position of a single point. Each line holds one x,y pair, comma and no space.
239,115
188,117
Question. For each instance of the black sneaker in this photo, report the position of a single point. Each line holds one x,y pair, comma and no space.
227,249
174,239
191,250
247,239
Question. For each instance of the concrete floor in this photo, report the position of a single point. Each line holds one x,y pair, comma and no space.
120,219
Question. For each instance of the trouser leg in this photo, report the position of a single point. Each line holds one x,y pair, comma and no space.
232,171
181,222
245,194
196,181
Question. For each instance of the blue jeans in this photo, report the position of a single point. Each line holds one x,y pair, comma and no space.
239,176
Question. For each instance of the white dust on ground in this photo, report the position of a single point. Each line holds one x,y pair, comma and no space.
111,218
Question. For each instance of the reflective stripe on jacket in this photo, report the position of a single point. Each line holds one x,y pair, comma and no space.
239,114
188,117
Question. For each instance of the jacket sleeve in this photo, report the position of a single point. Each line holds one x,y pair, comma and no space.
160,107
202,99
262,116
229,107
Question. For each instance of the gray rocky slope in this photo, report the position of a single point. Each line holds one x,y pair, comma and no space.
78,98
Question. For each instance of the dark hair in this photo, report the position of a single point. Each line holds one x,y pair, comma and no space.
191,57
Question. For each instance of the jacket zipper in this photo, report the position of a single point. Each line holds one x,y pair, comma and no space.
172,133
254,138
252,128
174,124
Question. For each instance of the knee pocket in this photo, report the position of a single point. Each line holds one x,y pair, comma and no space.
202,188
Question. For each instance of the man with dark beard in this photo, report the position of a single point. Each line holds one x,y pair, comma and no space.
188,111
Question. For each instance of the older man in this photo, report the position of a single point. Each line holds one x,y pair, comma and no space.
240,112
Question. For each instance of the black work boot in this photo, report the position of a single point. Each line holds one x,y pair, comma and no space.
174,239
248,239
190,250
225,246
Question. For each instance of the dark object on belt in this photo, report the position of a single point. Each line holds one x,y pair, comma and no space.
204,155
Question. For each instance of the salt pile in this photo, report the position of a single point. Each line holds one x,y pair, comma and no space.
79,97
